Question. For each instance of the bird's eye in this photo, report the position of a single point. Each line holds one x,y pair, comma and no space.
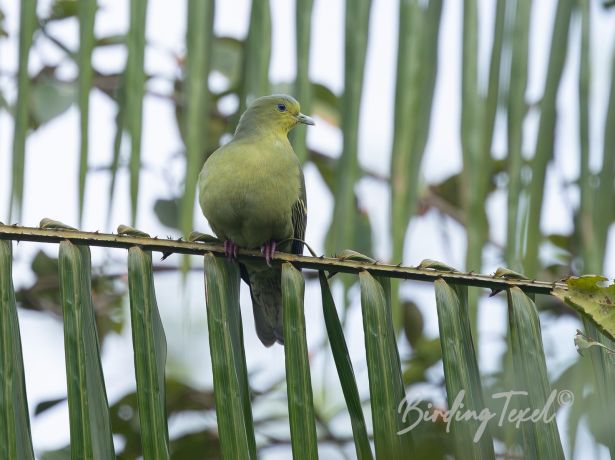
282,107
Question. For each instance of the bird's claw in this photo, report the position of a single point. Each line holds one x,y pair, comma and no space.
268,250
230,249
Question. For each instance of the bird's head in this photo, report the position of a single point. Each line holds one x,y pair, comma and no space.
276,113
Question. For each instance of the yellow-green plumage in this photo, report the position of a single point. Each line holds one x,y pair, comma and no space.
252,192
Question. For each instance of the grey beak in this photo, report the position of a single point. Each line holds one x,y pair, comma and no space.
301,118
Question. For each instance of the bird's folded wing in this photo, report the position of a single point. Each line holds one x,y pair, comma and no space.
299,218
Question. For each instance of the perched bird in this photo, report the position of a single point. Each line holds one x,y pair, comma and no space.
252,192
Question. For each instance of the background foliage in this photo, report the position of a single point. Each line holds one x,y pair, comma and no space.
494,99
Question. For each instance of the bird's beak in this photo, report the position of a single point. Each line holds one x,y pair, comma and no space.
301,118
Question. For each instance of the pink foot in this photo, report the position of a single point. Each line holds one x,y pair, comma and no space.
268,250
230,249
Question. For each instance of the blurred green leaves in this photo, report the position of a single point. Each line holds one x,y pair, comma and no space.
303,87
546,129
417,61
356,31
134,90
204,117
87,14
27,22
256,55
199,37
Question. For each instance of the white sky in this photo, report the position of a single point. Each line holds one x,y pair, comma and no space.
53,158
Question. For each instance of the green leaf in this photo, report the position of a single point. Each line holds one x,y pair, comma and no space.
15,437
49,404
90,429
349,254
203,238
541,439
233,408
62,9
226,58
3,32
134,81
583,342
413,323
87,13
117,146
167,212
385,381
303,87
417,61
150,352
574,379
343,364
27,25
546,131
603,215
603,364
50,98
50,224
430,264
592,298
517,108
472,437
343,225
199,37
508,274
110,40
130,231
298,382
257,54
326,104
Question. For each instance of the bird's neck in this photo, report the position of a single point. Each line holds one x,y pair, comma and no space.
260,131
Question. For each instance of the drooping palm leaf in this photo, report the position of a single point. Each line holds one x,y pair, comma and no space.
463,382
345,372
298,383
15,437
150,353
385,382
233,407
90,428
541,440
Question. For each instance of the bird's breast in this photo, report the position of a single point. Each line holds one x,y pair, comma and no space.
249,200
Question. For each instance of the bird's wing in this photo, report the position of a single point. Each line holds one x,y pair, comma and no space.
299,217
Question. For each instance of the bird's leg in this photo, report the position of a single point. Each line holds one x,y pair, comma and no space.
230,249
268,250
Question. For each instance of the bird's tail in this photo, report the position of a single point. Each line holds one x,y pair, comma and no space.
266,292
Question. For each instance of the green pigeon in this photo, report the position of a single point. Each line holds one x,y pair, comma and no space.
252,192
